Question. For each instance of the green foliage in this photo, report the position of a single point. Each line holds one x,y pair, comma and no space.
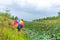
3,14
7,10
59,13
39,29
16,18
13,18
50,18
7,32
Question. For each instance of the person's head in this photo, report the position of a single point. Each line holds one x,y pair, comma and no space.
22,19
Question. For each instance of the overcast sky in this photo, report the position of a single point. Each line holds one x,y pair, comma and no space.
31,9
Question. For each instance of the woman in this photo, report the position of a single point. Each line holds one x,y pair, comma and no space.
20,26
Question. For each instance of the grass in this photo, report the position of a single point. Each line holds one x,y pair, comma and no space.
9,34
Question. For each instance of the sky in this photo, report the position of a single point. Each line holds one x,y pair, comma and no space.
31,9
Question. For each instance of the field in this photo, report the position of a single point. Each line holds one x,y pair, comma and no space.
7,32
35,30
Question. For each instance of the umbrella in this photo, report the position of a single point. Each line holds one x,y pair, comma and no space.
21,23
15,23
18,23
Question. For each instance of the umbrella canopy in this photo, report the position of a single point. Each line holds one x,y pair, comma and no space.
18,23
21,23
15,23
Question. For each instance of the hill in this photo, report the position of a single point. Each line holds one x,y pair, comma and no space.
39,29
7,32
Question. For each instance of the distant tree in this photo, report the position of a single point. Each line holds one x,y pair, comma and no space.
7,13
59,13
12,17
16,17
7,10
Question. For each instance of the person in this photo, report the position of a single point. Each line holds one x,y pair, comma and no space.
20,26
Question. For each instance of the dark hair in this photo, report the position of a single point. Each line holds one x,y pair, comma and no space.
22,19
